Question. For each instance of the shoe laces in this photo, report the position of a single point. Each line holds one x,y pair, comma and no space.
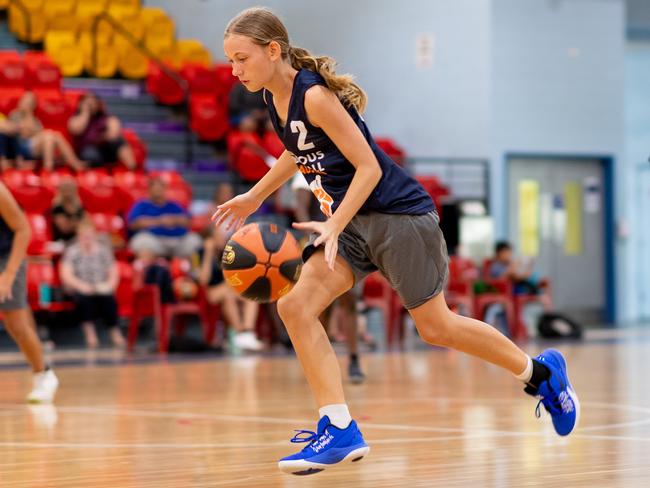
311,436
552,405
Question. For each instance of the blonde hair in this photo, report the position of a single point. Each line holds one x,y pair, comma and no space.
262,26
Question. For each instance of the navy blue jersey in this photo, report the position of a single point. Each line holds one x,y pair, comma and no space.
327,171
6,238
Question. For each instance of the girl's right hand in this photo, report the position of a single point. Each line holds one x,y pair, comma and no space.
236,210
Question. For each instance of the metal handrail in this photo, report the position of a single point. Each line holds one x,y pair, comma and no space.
182,83
28,21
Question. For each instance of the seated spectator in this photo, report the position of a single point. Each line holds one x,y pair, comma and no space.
67,211
30,141
98,135
247,110
90,272
161,226
241,314
526,281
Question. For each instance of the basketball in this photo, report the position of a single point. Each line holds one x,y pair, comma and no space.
261,261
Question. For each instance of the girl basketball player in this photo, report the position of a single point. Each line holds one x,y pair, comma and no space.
17,317
379,218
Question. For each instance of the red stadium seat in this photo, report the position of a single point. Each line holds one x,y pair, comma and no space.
9,97
53,111
42,275
392,149
201,80
163,87
72,98
273,144
13,73
208,119
31,195
225,81
137,146
124,292
52,179
244,159
41,236
42,71
98,193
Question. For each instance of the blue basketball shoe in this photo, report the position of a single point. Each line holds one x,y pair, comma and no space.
556,393
327,447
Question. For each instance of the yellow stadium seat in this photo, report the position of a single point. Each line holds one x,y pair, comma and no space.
87,12
62,21
135,4
63,49
193,51
120,11
150,14
131,62
52,7
4,4
106,57
134,26
18,24
160,33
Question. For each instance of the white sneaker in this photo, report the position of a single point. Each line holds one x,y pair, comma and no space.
248,341
45,386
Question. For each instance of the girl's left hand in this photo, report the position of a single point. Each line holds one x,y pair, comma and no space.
329,234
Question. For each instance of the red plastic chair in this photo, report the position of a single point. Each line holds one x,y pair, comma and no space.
163,87
42,71
225,81
98,193
146,302
72,98
9,97
392,149
53,110
208,118
273,144
52,179
31,195
41,235
201,80
460,288
13,73
244,159
138,147
41,272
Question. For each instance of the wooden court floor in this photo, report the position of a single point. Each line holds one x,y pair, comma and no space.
432,418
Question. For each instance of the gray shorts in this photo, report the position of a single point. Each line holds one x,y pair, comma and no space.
409,250
18,290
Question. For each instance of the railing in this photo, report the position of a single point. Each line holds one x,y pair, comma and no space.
106,17
466,178
25,12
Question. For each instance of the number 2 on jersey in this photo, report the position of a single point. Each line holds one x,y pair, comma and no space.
298,126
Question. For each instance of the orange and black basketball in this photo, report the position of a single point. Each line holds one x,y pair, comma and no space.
261,261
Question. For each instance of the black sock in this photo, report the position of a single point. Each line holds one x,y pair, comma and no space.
354,358
540,374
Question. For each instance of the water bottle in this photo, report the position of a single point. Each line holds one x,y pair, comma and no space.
44,295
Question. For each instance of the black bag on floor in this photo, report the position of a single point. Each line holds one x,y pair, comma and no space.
554,326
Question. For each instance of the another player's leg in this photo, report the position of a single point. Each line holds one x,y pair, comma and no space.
348,315
545,376
20,325
337,437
